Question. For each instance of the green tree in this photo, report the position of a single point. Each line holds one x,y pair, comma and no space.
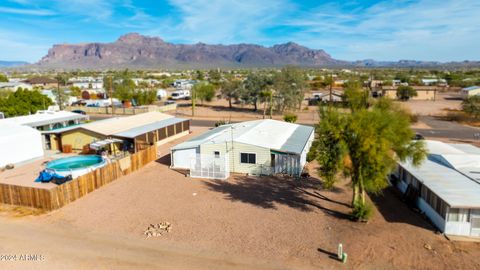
23,102
266,98
124,90
471,106
254,84
202,91
231,90
145,96
75,91
59,92
3,78
290,87
199,75
404,93
366,143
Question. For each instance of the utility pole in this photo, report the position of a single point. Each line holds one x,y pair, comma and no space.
330,87
60,105
110,93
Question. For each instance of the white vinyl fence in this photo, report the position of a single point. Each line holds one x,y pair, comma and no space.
209,166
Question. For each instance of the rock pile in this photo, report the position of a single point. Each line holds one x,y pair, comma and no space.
155,230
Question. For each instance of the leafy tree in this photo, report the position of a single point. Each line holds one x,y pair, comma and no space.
406,92
124,90
23,102
199,75
255,83
214,77
355,96
60,94
204,92
471,106
3,78
366,143
231,89
266,97
145,96
290,87
75,91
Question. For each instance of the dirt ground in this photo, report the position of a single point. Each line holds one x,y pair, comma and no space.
277,222
218,109
444,102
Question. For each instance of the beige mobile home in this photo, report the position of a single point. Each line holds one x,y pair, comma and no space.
260,147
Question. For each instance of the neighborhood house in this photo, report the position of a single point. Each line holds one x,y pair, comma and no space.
132,133
445,187
260,147
45,121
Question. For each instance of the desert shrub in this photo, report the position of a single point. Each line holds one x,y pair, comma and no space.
290,117
362,211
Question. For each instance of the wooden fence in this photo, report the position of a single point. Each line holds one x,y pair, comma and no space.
61,195
124,111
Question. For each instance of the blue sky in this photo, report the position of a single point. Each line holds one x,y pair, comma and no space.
442,30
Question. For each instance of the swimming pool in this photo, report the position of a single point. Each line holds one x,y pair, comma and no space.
77,165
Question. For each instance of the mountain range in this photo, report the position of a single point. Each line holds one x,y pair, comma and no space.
12,63
137,51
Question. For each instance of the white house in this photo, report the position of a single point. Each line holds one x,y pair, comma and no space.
184,84
446,187
87,82
337,96
19,144
259,147
470,91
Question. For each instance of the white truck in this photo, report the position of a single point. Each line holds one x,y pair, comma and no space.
180,94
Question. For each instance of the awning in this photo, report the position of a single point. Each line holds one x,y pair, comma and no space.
100,144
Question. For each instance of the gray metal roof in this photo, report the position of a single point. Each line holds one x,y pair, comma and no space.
297,141
456,189
270,134
204,137
451,172
134,132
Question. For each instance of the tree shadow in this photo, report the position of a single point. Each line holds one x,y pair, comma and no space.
394,210
267,191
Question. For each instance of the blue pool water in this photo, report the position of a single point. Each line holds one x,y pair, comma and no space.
75,163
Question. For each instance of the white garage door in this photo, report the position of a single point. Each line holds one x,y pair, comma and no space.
182,158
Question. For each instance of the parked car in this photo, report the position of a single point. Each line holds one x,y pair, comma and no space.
79,112
180,94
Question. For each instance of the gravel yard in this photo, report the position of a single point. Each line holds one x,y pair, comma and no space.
269,218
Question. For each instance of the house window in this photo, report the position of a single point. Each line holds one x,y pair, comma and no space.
248,158
216,154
